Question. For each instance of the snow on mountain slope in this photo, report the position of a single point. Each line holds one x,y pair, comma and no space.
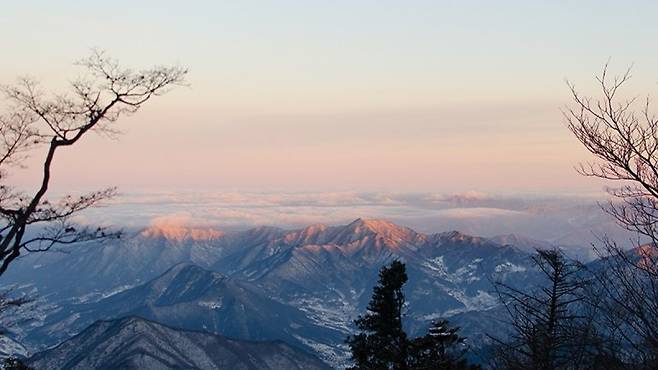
135,343
190,297
583,253
96,268
303,286
11,348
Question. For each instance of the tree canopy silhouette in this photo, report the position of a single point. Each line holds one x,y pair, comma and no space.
383,344
33,119
442,348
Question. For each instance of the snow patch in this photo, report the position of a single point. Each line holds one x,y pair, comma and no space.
482,301
212,305
11,348
335,355
509,267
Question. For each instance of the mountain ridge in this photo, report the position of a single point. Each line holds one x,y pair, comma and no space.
190,297
134,342
303,286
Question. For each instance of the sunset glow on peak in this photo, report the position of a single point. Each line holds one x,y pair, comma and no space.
179,228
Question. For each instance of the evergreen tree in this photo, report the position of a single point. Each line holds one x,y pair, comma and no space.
440,349
382,344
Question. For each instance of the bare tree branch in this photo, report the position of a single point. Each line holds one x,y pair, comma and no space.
622,134
34,119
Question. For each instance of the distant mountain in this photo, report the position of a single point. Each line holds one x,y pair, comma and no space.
302,286
521,242
91,270
330,271
95,270
189,297
583,253
135,343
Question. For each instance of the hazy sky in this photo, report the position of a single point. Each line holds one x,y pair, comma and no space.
338,95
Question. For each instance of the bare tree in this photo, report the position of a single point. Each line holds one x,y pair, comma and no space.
625,141
552,325
35,120
622,134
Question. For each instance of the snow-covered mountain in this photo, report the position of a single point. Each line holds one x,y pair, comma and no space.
102,268
189,297
583,253
135,343
333,269
302,286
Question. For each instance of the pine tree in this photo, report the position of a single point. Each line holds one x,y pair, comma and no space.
440,349
382,344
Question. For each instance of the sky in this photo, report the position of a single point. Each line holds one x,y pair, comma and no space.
326,96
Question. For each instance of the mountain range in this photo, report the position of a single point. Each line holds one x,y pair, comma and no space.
189,297
303,286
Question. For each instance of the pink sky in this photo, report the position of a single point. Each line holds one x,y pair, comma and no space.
429,96
502,149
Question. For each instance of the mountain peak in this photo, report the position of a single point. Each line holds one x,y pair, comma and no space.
375,225
360,231
521,242
458,236
180,232
454,233
397,234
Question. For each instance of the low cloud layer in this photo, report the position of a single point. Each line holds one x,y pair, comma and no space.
558,219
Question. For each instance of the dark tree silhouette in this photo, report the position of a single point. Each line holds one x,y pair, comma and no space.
552,326
440,349
35,120
15,309
13,363
622,134
382,344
